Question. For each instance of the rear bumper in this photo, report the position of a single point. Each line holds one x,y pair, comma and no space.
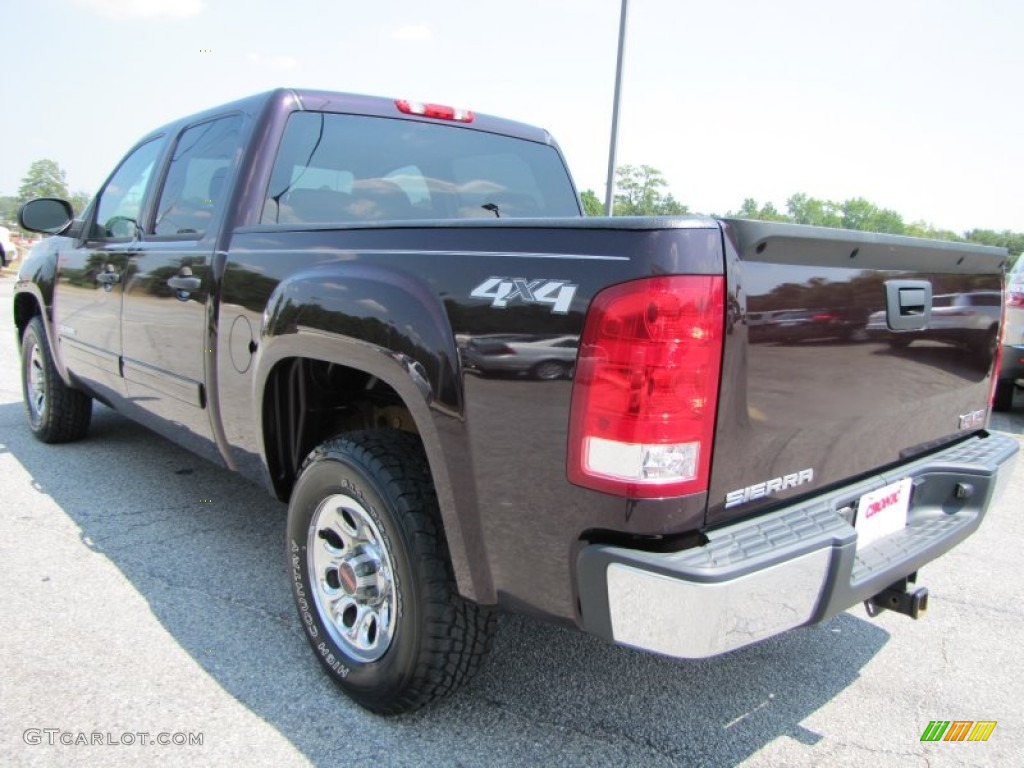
795,566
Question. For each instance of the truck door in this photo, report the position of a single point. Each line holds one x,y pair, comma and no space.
87,310
164,321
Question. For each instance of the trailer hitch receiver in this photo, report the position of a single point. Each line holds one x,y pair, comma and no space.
901,598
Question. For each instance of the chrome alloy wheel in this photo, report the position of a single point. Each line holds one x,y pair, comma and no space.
353,578
35,390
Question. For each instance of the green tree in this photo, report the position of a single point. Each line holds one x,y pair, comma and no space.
592,206
672,207
864,215
751,210
78,201
45,178
1013,241
810,210
8,210
639,193
924,229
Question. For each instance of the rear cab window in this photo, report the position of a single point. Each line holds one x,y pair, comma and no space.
203,156
337,169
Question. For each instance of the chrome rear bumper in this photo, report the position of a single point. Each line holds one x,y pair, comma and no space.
794,566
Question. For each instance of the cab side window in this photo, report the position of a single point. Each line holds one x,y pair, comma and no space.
120,201
195,179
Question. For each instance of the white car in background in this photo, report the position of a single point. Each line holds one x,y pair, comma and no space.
1012,369
541,357
970,319
8,250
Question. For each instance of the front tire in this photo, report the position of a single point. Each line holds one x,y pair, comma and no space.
371,575
56,412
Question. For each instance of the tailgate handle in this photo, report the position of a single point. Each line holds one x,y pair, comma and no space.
908,304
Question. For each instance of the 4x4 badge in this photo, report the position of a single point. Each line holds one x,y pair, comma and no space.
502,290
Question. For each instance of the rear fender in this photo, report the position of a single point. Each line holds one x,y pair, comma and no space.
390,325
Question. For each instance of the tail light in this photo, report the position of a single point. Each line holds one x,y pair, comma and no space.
1015,296
646,387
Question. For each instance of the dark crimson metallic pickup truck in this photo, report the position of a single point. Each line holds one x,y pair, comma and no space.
675,433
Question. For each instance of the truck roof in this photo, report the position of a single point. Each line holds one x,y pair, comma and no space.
292,99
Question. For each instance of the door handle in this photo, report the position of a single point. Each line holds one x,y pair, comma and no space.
185,283
108,278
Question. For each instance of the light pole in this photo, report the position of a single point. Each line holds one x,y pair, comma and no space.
609,199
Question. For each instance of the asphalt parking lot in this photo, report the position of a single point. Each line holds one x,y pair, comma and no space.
143,591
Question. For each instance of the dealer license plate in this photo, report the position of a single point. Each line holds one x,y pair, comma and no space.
882,512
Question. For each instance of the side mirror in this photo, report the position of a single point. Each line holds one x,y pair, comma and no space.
47,215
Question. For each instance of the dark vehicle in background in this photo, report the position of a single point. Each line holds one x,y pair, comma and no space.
538,357
1012,365
282,284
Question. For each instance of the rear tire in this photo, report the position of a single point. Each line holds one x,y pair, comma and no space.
372,578
56,412
1003,399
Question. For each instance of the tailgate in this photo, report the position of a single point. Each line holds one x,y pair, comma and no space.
853,352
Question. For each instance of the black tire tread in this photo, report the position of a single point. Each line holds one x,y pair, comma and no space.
458,632
68,411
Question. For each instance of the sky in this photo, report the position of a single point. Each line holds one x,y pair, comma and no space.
913,104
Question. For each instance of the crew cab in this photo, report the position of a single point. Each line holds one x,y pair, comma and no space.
288,285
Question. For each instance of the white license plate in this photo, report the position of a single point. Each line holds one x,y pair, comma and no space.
882,512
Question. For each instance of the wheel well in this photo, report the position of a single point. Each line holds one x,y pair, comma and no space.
308,401
25,308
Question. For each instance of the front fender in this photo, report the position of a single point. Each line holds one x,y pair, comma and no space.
37,278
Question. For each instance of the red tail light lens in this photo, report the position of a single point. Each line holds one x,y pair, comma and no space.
437,111
646,387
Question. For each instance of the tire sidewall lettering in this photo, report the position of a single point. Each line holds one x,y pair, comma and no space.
299,590
349,481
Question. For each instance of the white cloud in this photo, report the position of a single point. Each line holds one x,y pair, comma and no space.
413,32
279,62
145,9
